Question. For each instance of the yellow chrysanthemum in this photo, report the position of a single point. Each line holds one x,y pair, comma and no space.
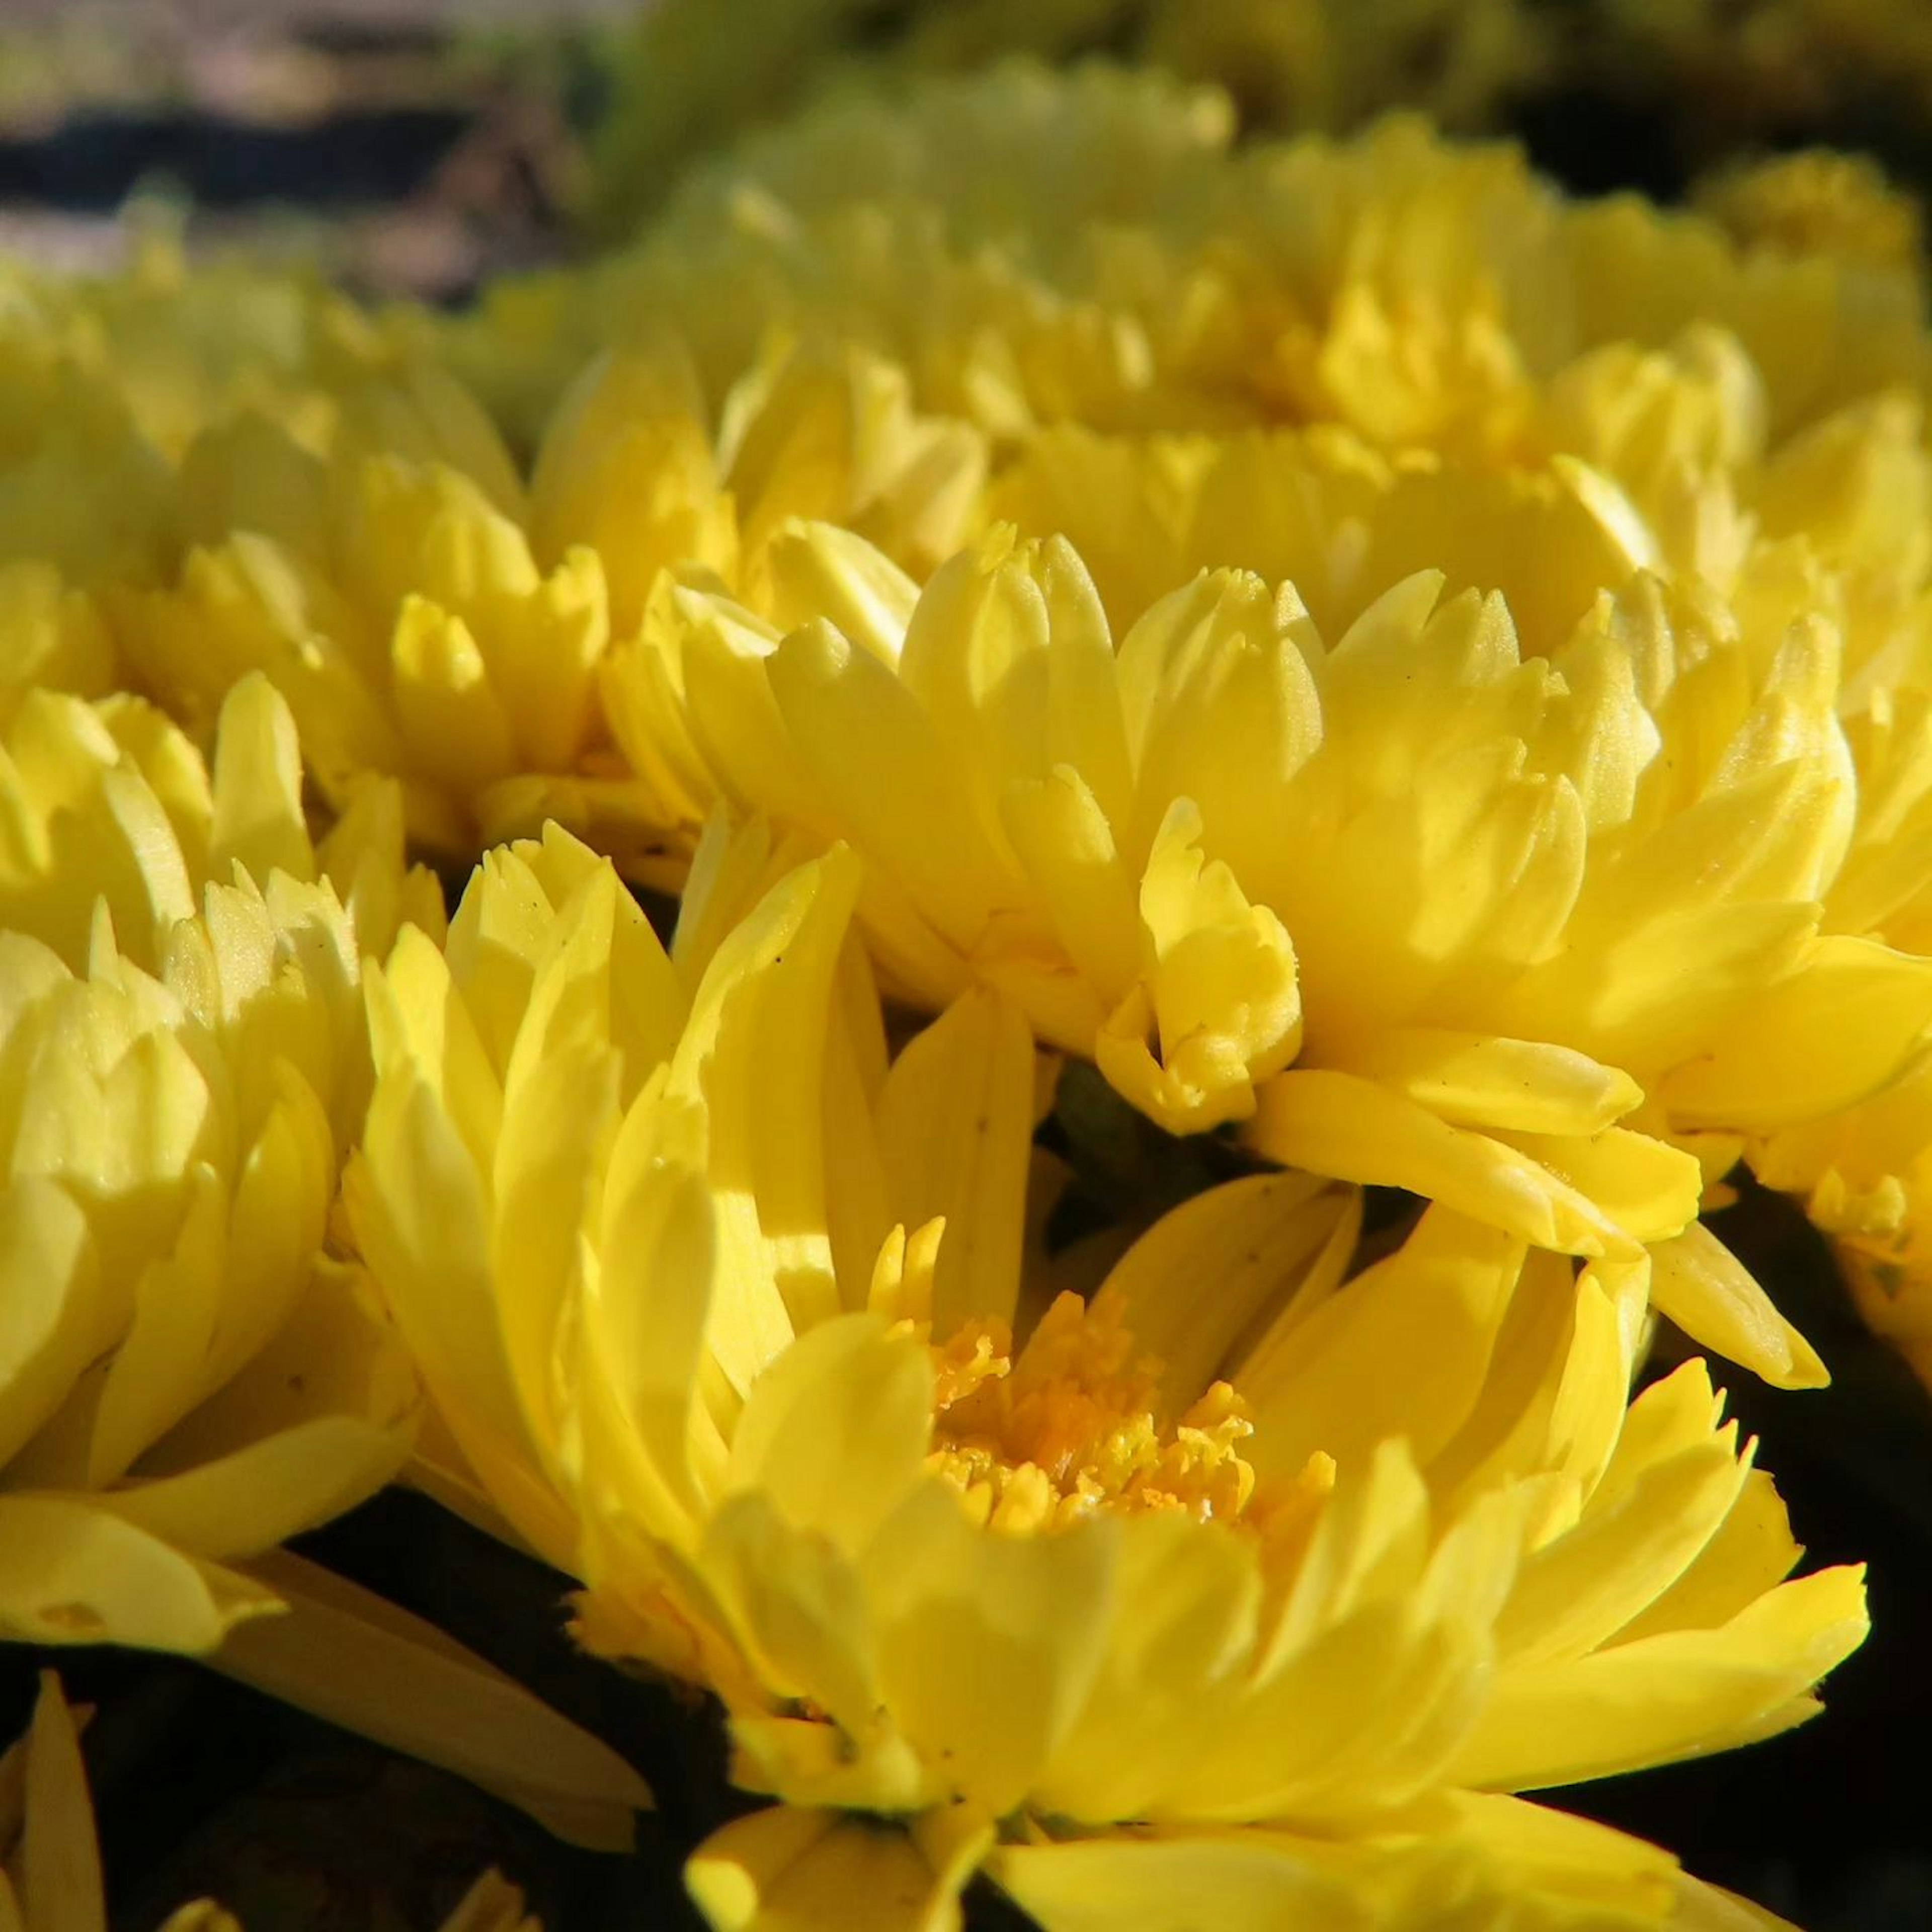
50,1877
1423,293
1818,202
1240,1581
1290,64
136,427
1865,1172
430,619
109,804
180,346
1523,934
189,1376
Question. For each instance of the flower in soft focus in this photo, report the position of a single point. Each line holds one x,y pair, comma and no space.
1424,293
429,619
1533,937
1289,64
1818,202
192,1375
1244,1578
50,1877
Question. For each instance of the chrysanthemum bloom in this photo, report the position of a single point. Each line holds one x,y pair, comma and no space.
191,1377
125,396
1531,937
50,1877
1423,293
109,805
83,492
1818,202
1289,64
1328,511
427,618
1865,1173
1241,1581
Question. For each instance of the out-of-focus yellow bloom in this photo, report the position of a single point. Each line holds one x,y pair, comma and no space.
1529,936
1712,82
1818,202
53,637
113,379
1424,293
190,1376
1289,64
132,430
50,1878
1323,509
1243,1579
180,346
81,492
428,619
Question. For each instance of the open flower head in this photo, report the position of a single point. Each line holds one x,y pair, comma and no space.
1424,293
109,804
1158,851
190,1376
1247,1577
429,618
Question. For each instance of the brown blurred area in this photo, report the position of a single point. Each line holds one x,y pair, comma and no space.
412,147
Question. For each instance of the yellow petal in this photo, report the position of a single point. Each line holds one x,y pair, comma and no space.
1220,1009
48,1306
1822,1038
955,1127
70,1573
1334,1123
1679,1694
834,1431
1473,1080
266,1492
1702,1287
780,1869
1181,1883
60,1862
985,1642
1193,1286
1403,1350
348,1657
258,811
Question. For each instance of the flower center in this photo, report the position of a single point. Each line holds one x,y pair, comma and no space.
1073,1425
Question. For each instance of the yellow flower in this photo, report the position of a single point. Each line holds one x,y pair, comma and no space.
1328,511
1528,936
1864,1172
50,1878
81,490
1424,293
109,805
428,619
1121,131
190,1376
1817,203
1243,1579
1289,64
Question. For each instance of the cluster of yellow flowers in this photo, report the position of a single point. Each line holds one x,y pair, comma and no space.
1426,682
1698,81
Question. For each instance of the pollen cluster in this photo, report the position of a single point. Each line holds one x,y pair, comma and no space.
1072,1427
